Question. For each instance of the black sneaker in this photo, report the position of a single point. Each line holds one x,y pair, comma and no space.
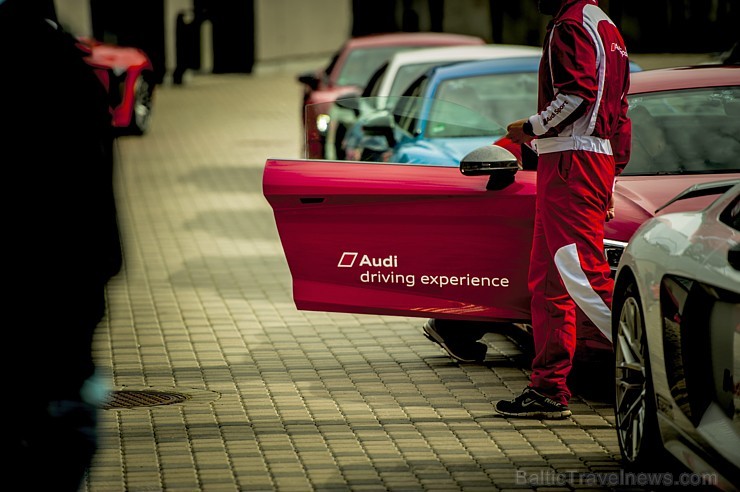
462,349
532,404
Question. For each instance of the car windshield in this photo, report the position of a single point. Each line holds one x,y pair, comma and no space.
492,100
363,62
685,132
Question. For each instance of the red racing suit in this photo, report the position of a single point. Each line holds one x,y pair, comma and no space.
583,141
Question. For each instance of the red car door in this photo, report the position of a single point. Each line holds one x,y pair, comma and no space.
403,239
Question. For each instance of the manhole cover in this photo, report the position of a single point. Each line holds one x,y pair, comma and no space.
143,398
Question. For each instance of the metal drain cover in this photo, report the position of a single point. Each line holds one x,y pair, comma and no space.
143,398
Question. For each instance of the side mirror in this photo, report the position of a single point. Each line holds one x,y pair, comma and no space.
491,160
310,79
380,125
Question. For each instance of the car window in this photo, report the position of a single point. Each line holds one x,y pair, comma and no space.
363,62
406,75
407,109
685,131
483,105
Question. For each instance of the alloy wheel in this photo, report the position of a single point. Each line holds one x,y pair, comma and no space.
631,379
142,105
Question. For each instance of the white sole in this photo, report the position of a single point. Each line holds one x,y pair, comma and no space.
537,414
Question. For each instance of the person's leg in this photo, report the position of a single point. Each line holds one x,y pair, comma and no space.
54,433
580,260
552,310
567,268
573,271
553,319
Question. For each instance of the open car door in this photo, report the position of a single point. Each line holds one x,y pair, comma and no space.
403,239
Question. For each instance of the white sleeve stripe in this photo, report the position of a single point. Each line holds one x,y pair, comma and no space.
559,109
579,288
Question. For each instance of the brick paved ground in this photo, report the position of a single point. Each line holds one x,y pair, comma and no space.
281,399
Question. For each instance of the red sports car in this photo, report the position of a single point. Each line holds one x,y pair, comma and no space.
428,241
352,65
128,75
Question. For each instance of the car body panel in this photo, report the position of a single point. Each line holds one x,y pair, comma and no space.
120,69
692,245
380,211
432,220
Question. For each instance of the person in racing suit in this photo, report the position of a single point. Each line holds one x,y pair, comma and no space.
582,136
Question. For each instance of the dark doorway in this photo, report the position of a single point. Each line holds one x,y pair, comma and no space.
137,23
233,33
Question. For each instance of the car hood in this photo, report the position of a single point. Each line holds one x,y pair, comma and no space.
636,199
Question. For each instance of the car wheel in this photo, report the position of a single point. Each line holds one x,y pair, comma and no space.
142,107
634,404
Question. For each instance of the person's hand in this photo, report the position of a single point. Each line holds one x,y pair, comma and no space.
515,132
610,209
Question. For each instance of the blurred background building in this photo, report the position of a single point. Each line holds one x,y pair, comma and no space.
241,36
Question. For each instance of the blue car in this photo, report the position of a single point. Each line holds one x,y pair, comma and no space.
446,113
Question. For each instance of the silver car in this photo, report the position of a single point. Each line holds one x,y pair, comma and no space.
676,332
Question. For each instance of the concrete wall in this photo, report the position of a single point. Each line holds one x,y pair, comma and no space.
297,31
74,15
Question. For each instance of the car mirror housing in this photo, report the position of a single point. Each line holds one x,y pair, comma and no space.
380,124
309,79
491,160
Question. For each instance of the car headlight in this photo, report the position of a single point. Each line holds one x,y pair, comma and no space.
322,123
613,252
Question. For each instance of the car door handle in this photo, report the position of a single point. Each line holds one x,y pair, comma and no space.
311,200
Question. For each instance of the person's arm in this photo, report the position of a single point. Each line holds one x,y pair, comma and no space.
622,139
573,71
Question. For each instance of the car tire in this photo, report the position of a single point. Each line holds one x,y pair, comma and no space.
142,107
635,409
